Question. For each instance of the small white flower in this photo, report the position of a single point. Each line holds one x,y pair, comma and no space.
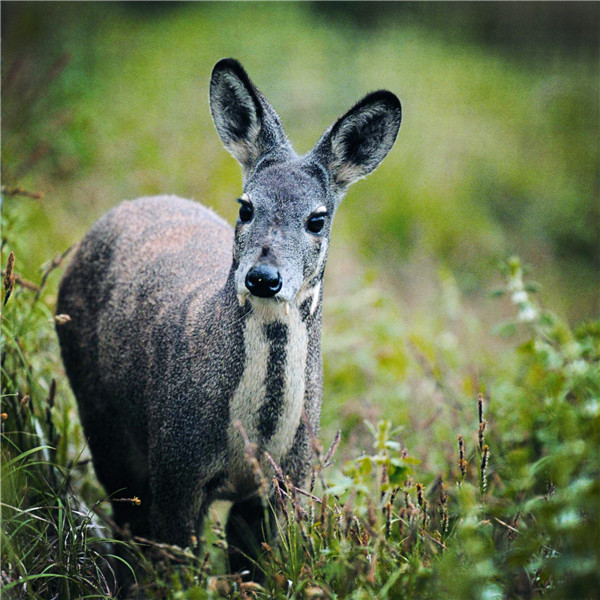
519,297
592,408
568,519
577,367
515,284
527,314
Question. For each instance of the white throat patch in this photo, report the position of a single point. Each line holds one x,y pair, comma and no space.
251,392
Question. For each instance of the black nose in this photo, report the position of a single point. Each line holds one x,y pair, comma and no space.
263,281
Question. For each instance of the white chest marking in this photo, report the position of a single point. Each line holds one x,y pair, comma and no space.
250,394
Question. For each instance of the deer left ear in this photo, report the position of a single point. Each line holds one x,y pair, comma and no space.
361,139
247,124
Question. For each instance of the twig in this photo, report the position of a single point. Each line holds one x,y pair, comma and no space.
9,278
173,553
29,285
332,448
24,283
56,262
513,529
19,191
307,494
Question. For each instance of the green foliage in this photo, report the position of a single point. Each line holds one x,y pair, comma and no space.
517,518
538,529
497,153
51,543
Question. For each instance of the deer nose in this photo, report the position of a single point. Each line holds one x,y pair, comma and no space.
263,281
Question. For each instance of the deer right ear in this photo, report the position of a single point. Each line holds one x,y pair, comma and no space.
247,124
361,139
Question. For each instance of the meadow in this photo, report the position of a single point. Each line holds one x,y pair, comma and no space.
461,334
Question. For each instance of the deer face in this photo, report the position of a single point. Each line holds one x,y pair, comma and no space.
288,202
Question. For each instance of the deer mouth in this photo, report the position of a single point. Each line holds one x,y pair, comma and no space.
243,297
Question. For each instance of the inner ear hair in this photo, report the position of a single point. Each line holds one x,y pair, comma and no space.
247,124
236,111
362,138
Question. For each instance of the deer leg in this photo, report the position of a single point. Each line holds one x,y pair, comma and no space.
248,525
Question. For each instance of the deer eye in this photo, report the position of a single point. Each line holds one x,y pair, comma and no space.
316,222
246,211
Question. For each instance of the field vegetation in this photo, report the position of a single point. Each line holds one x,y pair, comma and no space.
461,335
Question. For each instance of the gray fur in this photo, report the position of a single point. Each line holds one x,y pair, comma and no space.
166,348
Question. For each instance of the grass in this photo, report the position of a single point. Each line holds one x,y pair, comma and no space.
511,513
509,510
497,154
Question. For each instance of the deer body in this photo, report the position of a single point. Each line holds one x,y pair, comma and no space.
183,329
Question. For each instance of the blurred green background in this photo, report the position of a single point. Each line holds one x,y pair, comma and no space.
497,154
498,151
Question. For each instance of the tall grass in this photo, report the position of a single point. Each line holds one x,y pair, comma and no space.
510,513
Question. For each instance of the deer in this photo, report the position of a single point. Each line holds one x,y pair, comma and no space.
189,339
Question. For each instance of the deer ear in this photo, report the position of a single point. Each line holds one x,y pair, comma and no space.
361,139
247,124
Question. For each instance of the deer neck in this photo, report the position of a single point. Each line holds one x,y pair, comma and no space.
266,407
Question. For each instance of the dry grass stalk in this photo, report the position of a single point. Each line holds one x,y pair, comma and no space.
315,442
339,521
371,517
385,480
514,528
388,519
275,466
480,435
19,191
278,492
292,489
302,492
324,520
272,556
169,551
355,531
484,464
204,565
462,463
9,278
512,531
347,508
311,501
482,423
24,283
135,501
443,502
422,503
53,264
420,498
332,448
250,453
